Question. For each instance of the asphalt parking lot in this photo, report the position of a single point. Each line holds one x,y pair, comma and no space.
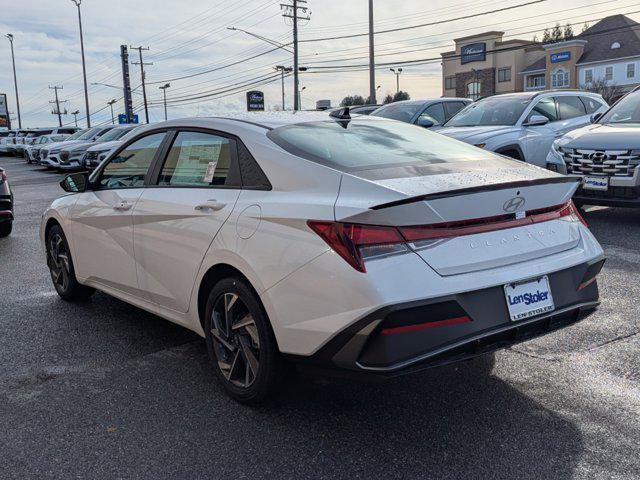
104,390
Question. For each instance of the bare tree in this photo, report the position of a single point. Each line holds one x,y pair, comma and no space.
609,91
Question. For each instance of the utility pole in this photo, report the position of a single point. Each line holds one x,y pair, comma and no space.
110,103
397,73
144,89
291,11
57,102
15,79
84,68
282,69
126,83
164,94
300,97
372,70
75,116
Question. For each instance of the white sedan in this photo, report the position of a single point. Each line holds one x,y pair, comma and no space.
361,244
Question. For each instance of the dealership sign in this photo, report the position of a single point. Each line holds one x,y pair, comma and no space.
475,52
255,101
5,122
560,57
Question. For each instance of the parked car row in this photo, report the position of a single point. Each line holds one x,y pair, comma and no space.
570,132
82,150
14,142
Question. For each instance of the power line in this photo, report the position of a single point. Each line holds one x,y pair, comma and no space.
439,22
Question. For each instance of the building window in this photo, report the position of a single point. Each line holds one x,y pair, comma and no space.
504,74
536,82
473,90
449,83
608,74
631,70
560,78
588,76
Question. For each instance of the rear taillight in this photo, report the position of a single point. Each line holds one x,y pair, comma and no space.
357,243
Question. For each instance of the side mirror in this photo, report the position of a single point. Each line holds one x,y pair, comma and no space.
424,122
595,117
536,120
75,182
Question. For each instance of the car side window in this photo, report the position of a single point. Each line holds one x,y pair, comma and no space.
451,108
590,104
435,113
547,108
570,107
130,166
197,159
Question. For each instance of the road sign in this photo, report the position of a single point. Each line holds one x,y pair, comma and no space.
122,118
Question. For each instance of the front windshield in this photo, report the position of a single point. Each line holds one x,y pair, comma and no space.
114,134
398,111
371,144
491,111
626,110
89,133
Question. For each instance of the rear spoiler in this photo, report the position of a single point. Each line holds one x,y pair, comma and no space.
480,188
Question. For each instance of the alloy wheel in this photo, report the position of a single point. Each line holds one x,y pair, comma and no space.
59,261
235,340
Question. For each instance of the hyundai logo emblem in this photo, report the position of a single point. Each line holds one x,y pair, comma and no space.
514,204
598,156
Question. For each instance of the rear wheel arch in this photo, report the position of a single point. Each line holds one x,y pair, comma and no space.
214,274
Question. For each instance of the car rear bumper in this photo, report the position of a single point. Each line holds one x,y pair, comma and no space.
407,337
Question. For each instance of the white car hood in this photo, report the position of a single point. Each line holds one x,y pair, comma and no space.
57,146
475,135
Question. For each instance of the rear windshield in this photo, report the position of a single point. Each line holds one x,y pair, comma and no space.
368,144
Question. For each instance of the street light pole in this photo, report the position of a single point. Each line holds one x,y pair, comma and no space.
75,116
300,97
84,68
164,94
372,70
110,103
15,79
397,74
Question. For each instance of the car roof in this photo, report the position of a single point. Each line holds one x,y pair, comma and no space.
263,120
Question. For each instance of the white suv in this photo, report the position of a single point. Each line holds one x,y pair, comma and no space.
523,125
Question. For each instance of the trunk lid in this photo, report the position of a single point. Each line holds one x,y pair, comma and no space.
484,190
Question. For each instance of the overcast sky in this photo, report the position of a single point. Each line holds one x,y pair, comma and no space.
189,37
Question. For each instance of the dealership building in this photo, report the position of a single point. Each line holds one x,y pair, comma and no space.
487,64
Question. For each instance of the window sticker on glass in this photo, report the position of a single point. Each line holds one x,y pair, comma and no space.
211,170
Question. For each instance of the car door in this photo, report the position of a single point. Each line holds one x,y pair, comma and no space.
537,139
194,191
573,114
102,218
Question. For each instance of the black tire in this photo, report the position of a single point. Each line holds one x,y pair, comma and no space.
61,268
230,351
5,228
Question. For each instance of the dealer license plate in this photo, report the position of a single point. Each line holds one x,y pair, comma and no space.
528,299
595,183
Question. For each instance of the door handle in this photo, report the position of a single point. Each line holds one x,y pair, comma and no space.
122,206
211,204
